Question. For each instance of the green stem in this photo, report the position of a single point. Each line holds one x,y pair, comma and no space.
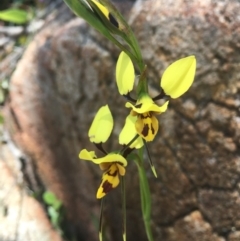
124,207
123,48
100,233
145,196
142,87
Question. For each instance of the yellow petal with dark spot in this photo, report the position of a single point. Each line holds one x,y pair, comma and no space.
147,126
106,13
103,9
110,180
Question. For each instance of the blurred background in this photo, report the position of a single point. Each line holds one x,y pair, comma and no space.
56,72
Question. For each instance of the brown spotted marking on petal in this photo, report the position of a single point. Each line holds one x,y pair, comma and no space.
152,129
113,20
145,130
146,115
138,106
107,187
146,127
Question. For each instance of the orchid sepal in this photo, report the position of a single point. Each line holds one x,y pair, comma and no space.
178,77
102,125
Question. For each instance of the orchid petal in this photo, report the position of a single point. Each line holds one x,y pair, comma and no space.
124,74
146,104
121,169
103,9
147,126
110,180
102,125
109,158
129,132
87,155
178,77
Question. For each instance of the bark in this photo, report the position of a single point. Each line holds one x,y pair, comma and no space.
67,73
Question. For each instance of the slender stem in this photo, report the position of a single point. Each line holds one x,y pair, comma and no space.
101,221
100,148
128,97
142,86
162,95
124,207
129,144
150,159
145,196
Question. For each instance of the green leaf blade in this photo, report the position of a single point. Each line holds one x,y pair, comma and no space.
14,15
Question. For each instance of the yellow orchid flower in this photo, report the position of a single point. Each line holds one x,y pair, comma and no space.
176,80
113,166
145,109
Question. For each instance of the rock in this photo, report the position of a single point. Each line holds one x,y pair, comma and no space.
11,31
65,184
4,41
21,216
35,26
191,227
223,217
67,73
235,236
